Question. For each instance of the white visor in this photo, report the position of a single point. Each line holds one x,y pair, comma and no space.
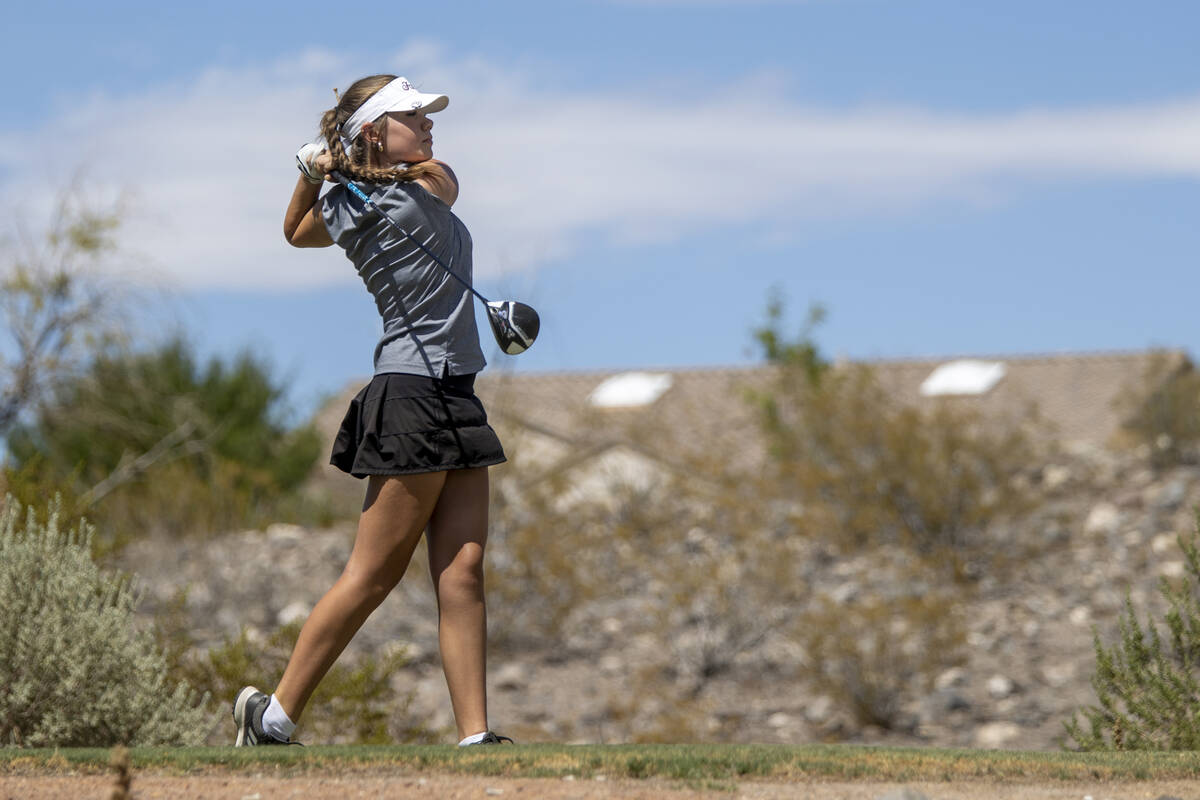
399,95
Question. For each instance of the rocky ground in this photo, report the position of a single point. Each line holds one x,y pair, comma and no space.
1105,525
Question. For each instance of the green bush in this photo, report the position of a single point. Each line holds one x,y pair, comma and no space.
156,442
74,669
1148,682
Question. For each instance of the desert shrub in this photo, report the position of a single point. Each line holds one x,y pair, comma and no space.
74,669
726,573
652,708
542,559
354,704
873,654
709,569
870,470
1147,683
154,441
1162,412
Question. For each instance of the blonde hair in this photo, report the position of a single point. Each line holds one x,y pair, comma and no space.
357,163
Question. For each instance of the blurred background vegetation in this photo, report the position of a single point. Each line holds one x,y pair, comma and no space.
147,439
134,433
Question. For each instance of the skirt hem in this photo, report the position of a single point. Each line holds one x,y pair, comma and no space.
366,473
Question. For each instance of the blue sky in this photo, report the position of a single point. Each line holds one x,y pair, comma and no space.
948,178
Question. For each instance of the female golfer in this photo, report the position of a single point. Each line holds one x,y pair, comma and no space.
416,431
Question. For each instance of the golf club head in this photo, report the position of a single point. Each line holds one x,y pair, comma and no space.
514,324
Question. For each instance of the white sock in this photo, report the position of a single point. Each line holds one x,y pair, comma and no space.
276,721
473,738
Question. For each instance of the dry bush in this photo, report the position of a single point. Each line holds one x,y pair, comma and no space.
875,653
56,308
1162,412
652,708
727,572
356,702
546,560
870,470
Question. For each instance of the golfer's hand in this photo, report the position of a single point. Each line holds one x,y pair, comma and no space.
314,162
324,163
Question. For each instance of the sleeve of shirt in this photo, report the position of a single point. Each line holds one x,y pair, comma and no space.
341,213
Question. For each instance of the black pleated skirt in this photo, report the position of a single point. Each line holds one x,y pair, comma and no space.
400,424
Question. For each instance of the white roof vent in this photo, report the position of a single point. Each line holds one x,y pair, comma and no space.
630,389
963,377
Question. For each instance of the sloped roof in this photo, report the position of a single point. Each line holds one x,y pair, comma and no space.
707,411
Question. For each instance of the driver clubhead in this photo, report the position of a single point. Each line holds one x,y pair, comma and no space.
514,324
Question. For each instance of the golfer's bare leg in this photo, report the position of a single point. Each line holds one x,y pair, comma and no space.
395,513
457,535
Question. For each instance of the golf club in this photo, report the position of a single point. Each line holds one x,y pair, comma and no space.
514,324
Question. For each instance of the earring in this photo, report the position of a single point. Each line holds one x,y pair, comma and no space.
379,145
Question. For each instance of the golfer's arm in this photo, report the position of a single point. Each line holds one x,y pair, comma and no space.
302,224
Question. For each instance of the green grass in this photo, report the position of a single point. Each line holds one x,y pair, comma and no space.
674,762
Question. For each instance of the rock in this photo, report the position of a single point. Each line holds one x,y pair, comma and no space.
1080,616
1059,675
284,533
1104,518
819,710
980,640
1055,476
844,593
941,702
996,734
1164,543
1055,533
199,596
952,678
513,675
611,664
779,720
1000,686
293,612
1171,496
1172,569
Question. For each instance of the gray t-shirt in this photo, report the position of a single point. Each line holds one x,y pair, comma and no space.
428,318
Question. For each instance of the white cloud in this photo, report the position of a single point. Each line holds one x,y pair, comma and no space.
210,160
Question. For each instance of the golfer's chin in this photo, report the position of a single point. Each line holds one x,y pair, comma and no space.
425,154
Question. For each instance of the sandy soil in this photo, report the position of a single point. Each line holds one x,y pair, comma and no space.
451,787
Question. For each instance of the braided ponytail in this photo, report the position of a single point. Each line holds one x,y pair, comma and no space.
356,163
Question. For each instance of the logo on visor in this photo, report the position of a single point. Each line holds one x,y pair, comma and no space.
406,86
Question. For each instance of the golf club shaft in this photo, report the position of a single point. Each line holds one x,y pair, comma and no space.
361,195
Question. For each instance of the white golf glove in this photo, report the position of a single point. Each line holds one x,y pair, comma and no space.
306,158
